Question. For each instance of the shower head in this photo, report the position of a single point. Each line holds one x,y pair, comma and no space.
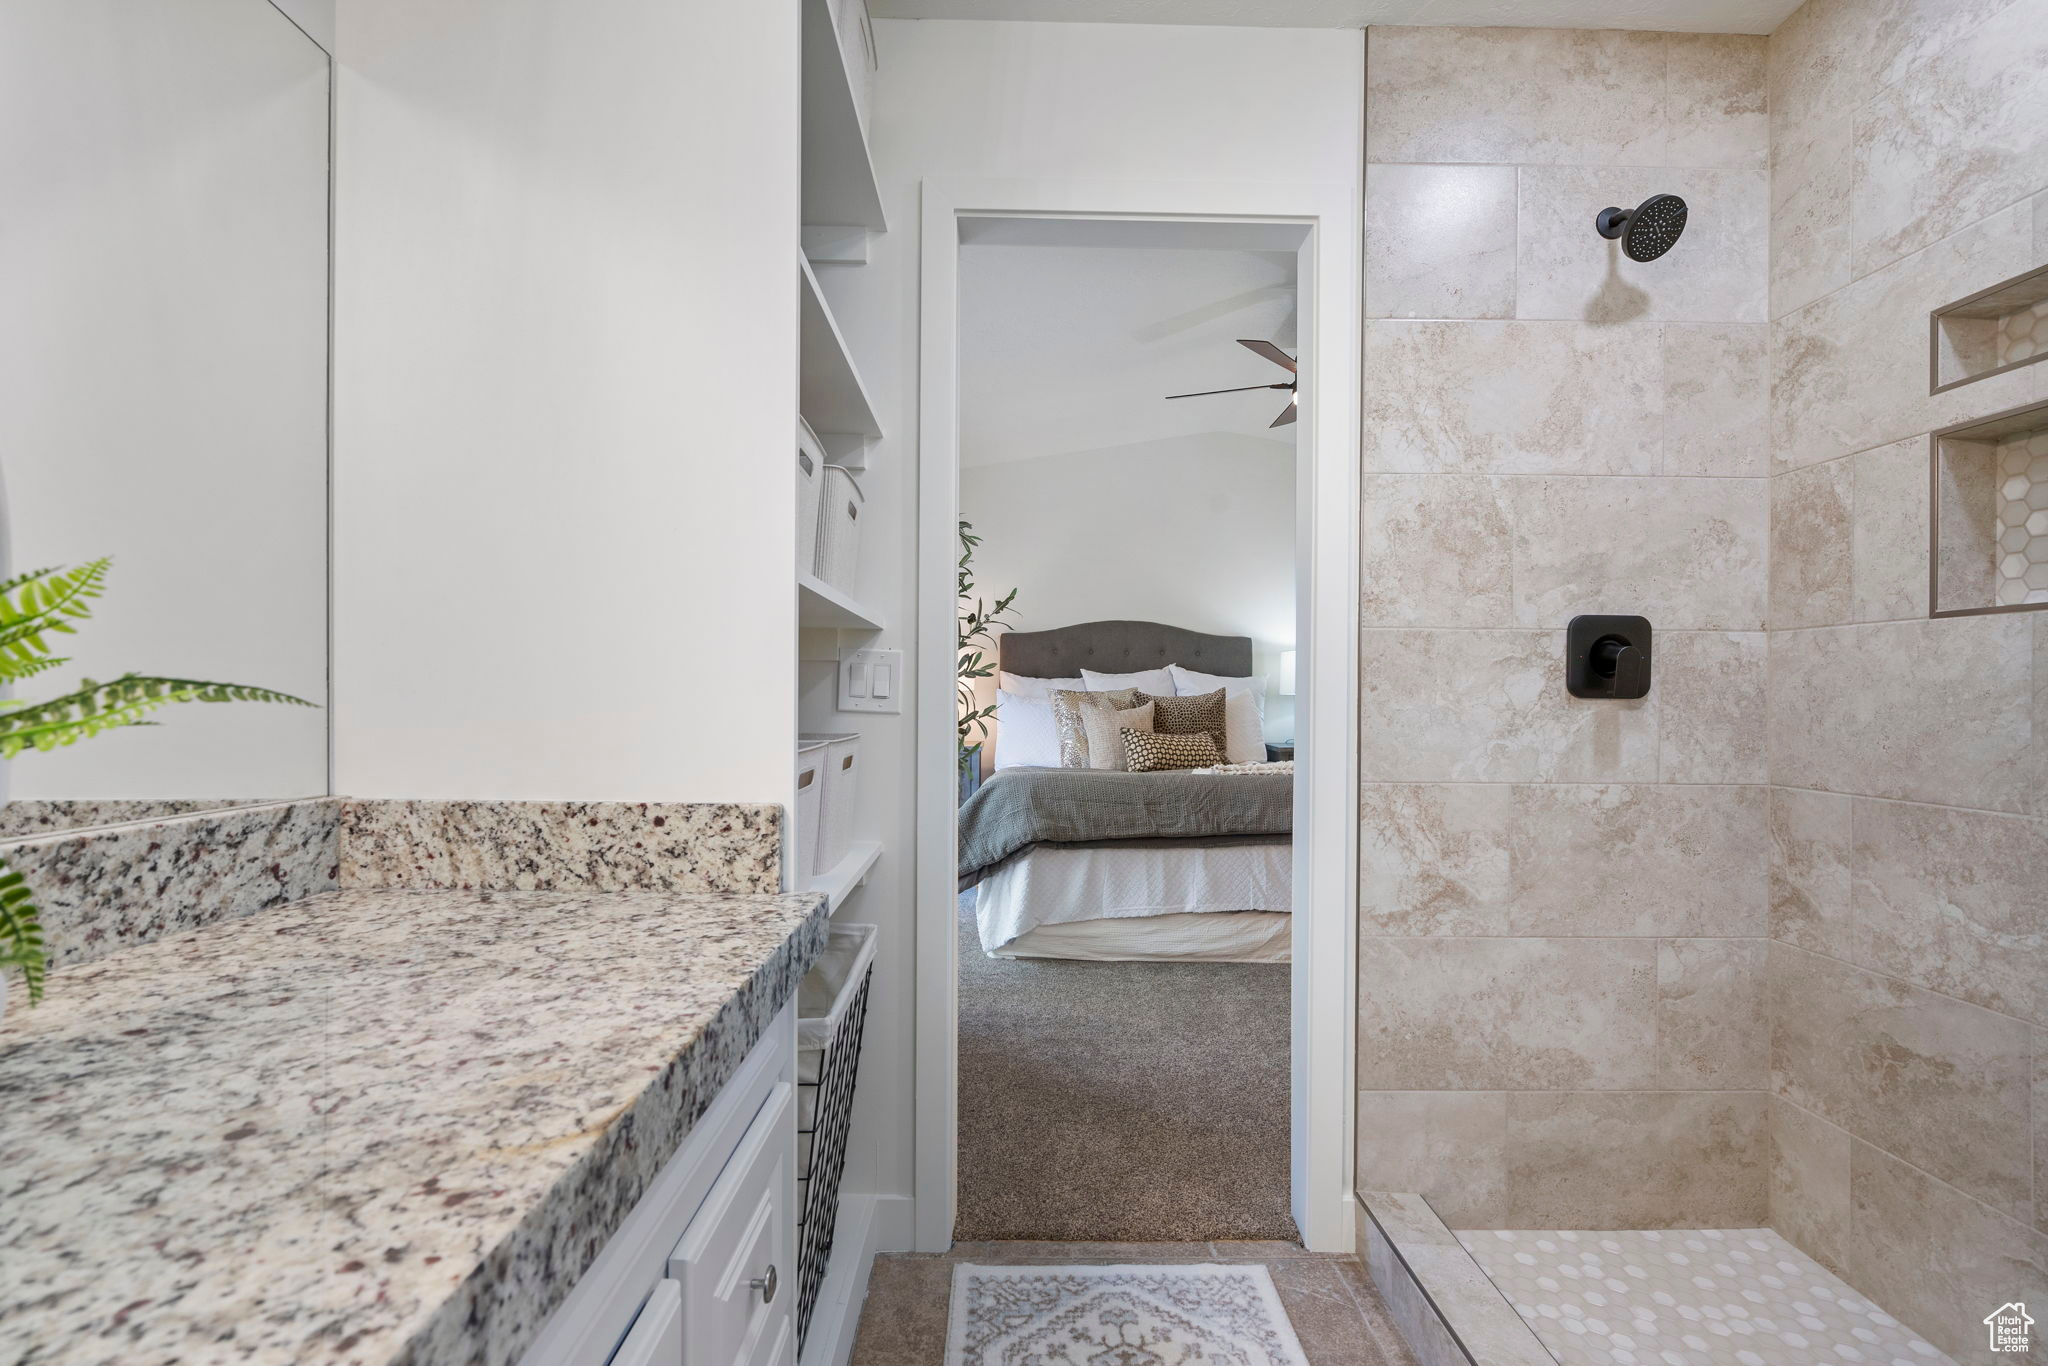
1648,230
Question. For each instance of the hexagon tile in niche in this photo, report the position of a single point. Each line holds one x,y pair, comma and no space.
2022,334
2023,516
1689,1297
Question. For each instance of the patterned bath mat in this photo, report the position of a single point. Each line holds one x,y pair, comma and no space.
1126,1315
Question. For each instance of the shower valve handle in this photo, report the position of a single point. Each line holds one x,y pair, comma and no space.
1622,662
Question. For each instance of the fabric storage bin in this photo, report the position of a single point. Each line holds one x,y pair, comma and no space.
836,803
839,517
810,787
810,487
831,1011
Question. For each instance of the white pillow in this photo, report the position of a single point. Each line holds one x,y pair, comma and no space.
1158,682
1041,688
1244,711
1188,683
1025,734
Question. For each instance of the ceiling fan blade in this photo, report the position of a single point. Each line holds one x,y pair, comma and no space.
1286,416
1243,388
1270,352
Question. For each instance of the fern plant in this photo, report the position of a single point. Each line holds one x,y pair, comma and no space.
978,622
33,608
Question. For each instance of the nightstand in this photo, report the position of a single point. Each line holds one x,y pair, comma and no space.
1275,753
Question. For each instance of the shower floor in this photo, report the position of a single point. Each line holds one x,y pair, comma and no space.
1688,1297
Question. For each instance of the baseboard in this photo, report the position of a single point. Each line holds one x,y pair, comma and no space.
1338,1233
895,1223
867,1224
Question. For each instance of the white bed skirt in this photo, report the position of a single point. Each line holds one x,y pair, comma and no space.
1031,905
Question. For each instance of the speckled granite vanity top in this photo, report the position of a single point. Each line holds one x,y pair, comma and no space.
370,1126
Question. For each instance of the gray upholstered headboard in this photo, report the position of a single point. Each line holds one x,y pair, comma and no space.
1121,647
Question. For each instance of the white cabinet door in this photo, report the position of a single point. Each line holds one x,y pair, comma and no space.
736,1263
657,1336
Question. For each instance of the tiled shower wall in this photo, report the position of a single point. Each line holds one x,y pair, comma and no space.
1909,876
2021,510
1564,904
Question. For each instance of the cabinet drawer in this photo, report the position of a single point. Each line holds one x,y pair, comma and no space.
736,1263
657,1336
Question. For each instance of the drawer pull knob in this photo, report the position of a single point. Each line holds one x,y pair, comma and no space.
766,1285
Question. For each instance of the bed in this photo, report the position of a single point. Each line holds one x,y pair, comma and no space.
1091,864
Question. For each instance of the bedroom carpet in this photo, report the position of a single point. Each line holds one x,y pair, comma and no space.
1124,1102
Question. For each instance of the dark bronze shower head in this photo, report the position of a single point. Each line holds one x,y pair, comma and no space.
1648,230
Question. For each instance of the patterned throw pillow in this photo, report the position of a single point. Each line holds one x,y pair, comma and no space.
1066,716
1204,714
1154,753
1105,750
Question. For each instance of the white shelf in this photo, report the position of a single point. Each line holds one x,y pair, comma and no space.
839,185
830,394
838,882
820,604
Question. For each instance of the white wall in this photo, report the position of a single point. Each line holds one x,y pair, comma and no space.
1095,495
314,17
566,359
163,374
1194,531
1072,101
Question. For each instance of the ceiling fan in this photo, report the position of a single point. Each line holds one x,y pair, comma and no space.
1279,358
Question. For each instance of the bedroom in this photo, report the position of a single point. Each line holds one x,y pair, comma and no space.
1127,728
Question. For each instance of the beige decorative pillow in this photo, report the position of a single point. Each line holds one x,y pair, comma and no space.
1105,750
1152,753
1203,714
1066,715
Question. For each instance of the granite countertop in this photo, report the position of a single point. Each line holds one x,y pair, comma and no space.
370,1126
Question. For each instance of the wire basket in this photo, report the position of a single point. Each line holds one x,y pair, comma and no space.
832,1007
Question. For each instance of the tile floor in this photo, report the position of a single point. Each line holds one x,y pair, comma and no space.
1335,1311
1688,1297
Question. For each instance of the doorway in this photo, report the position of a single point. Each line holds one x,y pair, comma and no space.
1127,462
1318,224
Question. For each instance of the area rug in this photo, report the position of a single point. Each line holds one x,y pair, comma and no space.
1125,1315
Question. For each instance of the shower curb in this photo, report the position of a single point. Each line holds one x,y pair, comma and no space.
1445,1305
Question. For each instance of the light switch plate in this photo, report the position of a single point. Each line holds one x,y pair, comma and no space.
871,680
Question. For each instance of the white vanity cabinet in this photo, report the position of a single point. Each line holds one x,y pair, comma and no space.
703,1271
656,1338
736,1265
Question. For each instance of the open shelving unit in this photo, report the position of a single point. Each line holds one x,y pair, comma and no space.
820,606
840,188
830,393
841,210
839,881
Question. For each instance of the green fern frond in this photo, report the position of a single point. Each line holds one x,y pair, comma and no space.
9,585
95,708
45,600
15,672
21,933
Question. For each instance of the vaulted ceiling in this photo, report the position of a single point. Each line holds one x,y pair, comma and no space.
1074,348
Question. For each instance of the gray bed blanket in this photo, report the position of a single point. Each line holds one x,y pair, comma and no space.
1021,808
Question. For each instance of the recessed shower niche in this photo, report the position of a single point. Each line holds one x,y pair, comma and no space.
1992,331
1990,551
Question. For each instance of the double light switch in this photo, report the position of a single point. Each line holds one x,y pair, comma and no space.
871,680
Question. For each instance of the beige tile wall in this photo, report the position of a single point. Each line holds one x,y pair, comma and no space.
1771,943
1908,889
1565,904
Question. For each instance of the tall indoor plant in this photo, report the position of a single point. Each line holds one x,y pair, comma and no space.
978,623
33,608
